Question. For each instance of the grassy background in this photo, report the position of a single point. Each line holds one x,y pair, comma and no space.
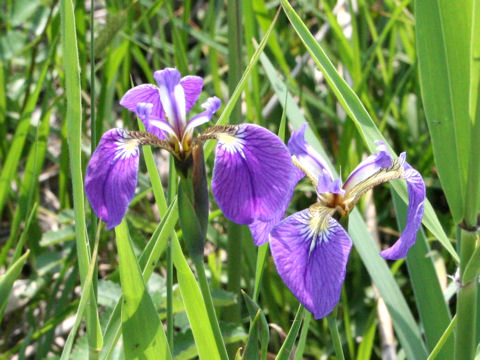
372,46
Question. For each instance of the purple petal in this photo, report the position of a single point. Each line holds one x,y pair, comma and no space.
312,265
111,176
416,200
310,160
192,86
211,106
172,96
158,127
369,166
252,174
146,93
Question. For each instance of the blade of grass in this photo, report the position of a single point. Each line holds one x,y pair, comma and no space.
74,126
287,346
143,334
7,280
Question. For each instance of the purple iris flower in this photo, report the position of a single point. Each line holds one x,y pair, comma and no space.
310,248
252,171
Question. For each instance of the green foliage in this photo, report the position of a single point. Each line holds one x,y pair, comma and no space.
405,72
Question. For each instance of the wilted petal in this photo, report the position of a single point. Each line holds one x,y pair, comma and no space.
309,159
370,166
146,93
192,86
252,174
416,200
111,176
211,106
312,264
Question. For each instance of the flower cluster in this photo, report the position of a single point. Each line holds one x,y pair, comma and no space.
253,180
310,248
251,175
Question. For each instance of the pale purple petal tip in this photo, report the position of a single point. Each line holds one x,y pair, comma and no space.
111,176
211,106
168,77
306,155
326,184
416,200
157,127
192,86
368,167
146,93
252,174
312,266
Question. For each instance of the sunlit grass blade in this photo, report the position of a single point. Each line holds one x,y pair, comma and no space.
357,112
407,329
74,126
67,349
7,279
441,342
147,261
287,346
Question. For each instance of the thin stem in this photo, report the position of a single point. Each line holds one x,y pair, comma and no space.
207,297
172,190
333,327
465,332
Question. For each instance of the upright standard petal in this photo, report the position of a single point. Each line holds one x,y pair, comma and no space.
192,87
252,173
155,126
146,93
172,96
111,176
211,106
310,161
312,262
369,167
416,200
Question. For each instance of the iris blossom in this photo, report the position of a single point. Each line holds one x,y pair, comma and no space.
310,248
252,169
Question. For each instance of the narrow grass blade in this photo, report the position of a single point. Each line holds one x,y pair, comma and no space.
259,326
357,112
287,346
147,261
443,339
7,280
143,334
74,126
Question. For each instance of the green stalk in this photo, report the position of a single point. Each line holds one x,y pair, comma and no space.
207,297
466,303
234,247
333,327
74,126
172,190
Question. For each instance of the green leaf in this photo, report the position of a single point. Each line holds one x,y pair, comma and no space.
7,279
287,346
260,325
443,31
143,334
357,112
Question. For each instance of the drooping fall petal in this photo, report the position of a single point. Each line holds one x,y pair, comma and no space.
111,176
311,262
252,174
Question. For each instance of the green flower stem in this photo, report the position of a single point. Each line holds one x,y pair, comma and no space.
465,332
172,190
207,297
333,327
